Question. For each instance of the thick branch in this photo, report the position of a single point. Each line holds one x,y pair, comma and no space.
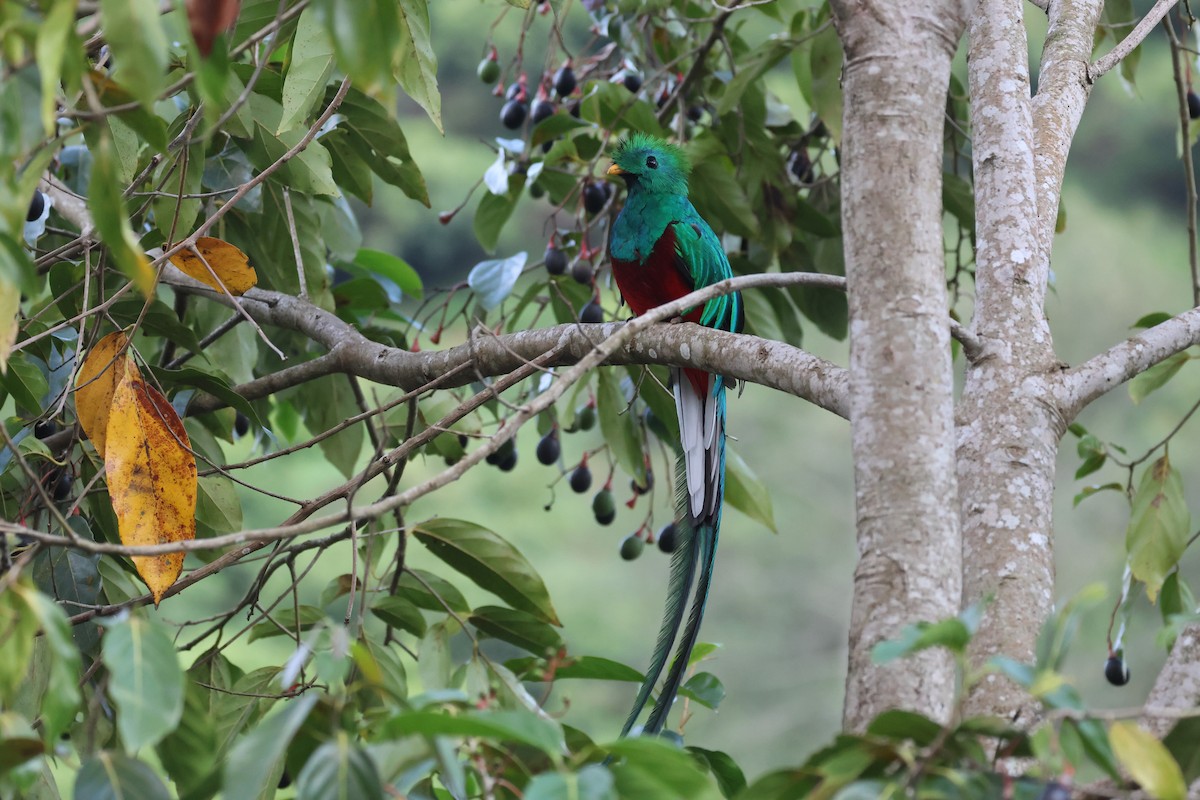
1079,386
1178,684
749,358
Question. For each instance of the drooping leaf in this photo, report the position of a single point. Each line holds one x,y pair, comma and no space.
256,760
217,264
516,627
151,476
729,775
61,700
134,32
1147,760
18,626
414,62
592,668
115,775
1159,524
649,767
98,378
745,492
399,613
489,561
1156,377
619,426
493,280
339,769
503,726
144,680
108,212
310,66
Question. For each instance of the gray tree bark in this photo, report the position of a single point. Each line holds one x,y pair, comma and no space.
897,70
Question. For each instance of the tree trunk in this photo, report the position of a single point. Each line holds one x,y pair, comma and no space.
896,74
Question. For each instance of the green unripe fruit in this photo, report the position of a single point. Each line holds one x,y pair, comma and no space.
632,547
604,507
488,71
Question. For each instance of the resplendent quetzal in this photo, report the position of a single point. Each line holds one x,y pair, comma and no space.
661,249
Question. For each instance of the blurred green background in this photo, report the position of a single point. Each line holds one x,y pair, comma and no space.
780,606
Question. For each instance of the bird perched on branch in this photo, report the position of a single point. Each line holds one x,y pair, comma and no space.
661,249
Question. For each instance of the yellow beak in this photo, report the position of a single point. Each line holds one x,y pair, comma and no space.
615,170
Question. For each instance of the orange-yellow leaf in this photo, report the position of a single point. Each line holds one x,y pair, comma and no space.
230,266
94,387
151,476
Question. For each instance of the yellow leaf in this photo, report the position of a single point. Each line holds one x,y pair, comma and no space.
94,387
151,476
1147,760
230,266
10,313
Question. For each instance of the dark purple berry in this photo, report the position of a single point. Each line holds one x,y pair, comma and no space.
695,113
556,261
574,109
1116,671
509,462
594,197
513,114
667,539
549,449
514,90
564,81
44,428
581,271
241,424
592,312
501,453
62,485
581,479
1193,101
632,547
632,81
604,507
639,488
36,206
541,109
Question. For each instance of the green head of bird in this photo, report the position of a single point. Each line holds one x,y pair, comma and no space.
651,165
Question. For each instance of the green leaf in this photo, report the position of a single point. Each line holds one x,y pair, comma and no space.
1158,525
1088,491
108,213
619,426
25,383
144,680
825,67
218,508
592,668
364,33
1177,597
1181,743
394,269
56,41
133,30
491,214
705,689
958,198
516,627
308,170
729,775
1156,377
431,592
17,629
493,280
339,770
593,782
191,753
1096,745
491,562
650,767
400,613
1151,319
1147,760
745,492
501,726
327,403
414,63
256,761
949,633
62,697
311,65
117,776
900,725
175,216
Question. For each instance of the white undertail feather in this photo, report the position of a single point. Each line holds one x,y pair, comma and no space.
691,430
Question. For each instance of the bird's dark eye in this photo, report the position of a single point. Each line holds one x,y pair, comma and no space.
651,162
